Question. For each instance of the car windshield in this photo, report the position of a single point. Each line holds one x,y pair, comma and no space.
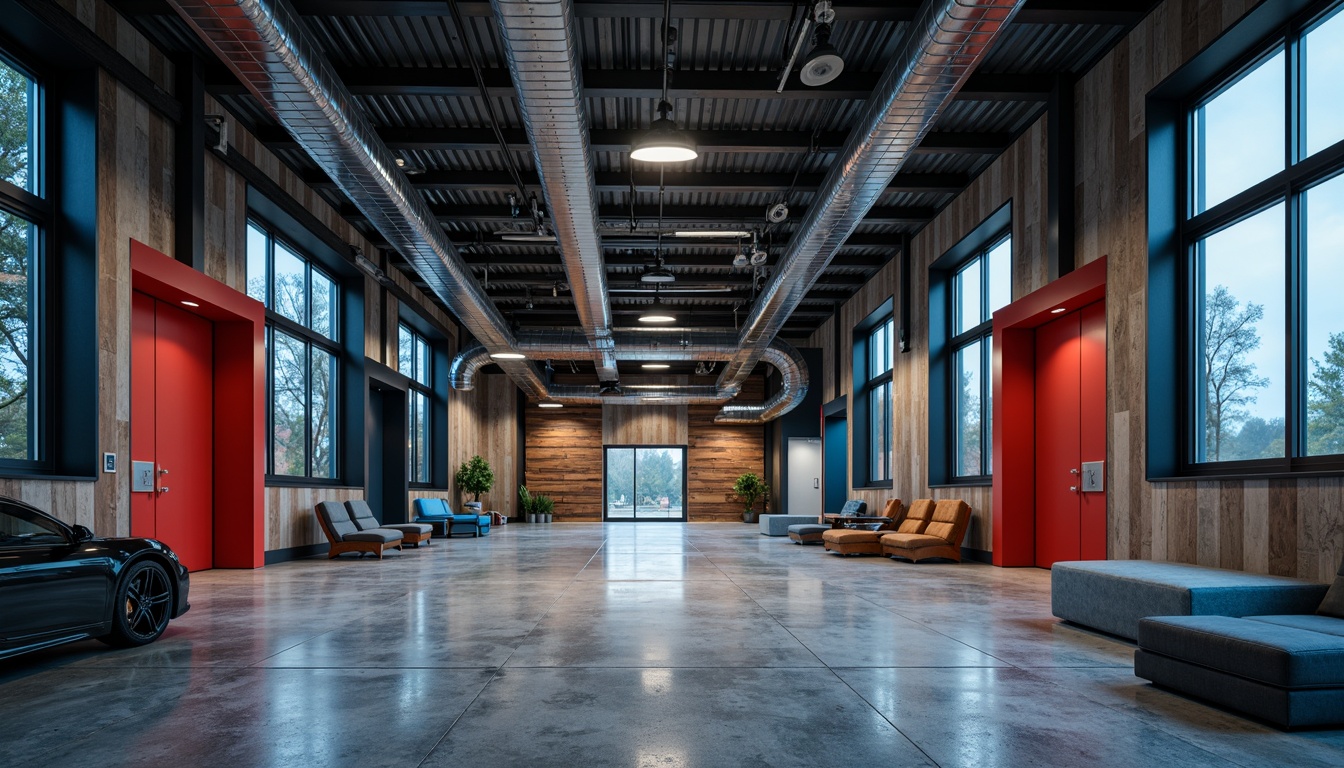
23,528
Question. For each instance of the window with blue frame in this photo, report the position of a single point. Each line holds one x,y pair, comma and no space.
1255,260
873,358
303,354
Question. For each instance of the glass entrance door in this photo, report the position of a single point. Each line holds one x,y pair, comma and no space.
646,482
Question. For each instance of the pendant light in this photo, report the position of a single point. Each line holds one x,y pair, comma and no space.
656,314
662,142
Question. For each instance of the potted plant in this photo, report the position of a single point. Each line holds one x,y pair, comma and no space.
545,507
475,477
749,487
525,504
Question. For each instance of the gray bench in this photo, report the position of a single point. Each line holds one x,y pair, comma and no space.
778,525
1113,595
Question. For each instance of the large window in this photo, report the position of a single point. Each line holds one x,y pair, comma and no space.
979,286
873,349
1261,232
413,360
25,215
302,354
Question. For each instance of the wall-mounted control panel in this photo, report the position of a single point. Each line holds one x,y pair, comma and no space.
142,477
1094,476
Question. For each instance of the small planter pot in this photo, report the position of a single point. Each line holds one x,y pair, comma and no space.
531,518
546,518
749,516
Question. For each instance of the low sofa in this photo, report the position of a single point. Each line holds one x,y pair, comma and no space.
868,540
411,533
343,536
1113,595
436,512
1286,669
811,533
939,536
778,525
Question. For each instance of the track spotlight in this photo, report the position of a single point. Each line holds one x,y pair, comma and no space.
823,64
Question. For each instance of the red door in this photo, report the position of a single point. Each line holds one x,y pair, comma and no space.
172,396
1070,429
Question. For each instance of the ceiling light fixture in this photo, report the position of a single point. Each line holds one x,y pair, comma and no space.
662,142
550,405
711,233
656,313
508,356
190,304
1058,311
823,64
655,366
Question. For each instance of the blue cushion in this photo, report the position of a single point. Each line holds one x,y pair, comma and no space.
430,509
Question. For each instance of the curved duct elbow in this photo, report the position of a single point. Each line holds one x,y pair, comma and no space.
462,371
793,388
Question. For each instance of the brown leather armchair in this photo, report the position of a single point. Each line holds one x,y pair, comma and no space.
857,541
940,536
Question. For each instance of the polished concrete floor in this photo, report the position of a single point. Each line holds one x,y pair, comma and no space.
654,644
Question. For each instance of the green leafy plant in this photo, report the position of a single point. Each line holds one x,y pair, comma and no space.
475,477
544,505
749,487
525,502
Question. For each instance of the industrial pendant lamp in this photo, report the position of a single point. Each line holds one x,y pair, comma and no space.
656,314
662,142
823,64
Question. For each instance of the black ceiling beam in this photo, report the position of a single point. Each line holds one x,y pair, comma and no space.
608,140
677,214
1035,11
618,260
601,83
677,181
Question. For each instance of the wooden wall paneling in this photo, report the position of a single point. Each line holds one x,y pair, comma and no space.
644,425
290,517
564,458
484,421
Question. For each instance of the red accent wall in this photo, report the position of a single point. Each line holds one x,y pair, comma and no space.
239,402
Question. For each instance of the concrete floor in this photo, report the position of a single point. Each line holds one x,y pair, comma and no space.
654,644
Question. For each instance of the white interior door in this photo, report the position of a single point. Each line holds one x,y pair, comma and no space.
804,476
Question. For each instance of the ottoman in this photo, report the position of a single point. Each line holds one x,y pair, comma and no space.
1112,595
413,533
778,525
809,533
1288,670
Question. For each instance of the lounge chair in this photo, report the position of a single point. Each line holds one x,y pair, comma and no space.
411,533
867,541
345,537
940,537
437,512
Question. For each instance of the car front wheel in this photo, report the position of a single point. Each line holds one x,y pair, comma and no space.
144,603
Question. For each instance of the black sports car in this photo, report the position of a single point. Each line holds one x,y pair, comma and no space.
60,583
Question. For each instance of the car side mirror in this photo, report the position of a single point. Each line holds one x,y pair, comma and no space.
82,534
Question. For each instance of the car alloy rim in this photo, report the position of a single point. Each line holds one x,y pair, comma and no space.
147,601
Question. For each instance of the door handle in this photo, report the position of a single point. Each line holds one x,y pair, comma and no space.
816,482
1073,488
164,489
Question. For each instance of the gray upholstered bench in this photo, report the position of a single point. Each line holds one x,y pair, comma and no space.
1288,670
810,533
1112,595
778,525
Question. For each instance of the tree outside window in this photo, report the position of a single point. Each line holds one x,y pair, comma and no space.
23,214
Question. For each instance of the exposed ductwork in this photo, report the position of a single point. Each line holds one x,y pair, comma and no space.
784,357
266,45
541,46
269,49
947,40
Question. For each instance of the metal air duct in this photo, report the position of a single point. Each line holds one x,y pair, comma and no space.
266,45
541,46
947,40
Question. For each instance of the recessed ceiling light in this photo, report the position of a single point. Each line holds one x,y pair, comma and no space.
656,316
508,356
655,366
550,405
190,304
1058,311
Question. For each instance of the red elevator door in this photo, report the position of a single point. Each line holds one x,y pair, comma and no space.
172,396
1070,429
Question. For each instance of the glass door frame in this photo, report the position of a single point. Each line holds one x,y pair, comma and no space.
606,518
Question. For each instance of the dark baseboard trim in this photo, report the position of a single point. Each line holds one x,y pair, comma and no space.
295,553
978,555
